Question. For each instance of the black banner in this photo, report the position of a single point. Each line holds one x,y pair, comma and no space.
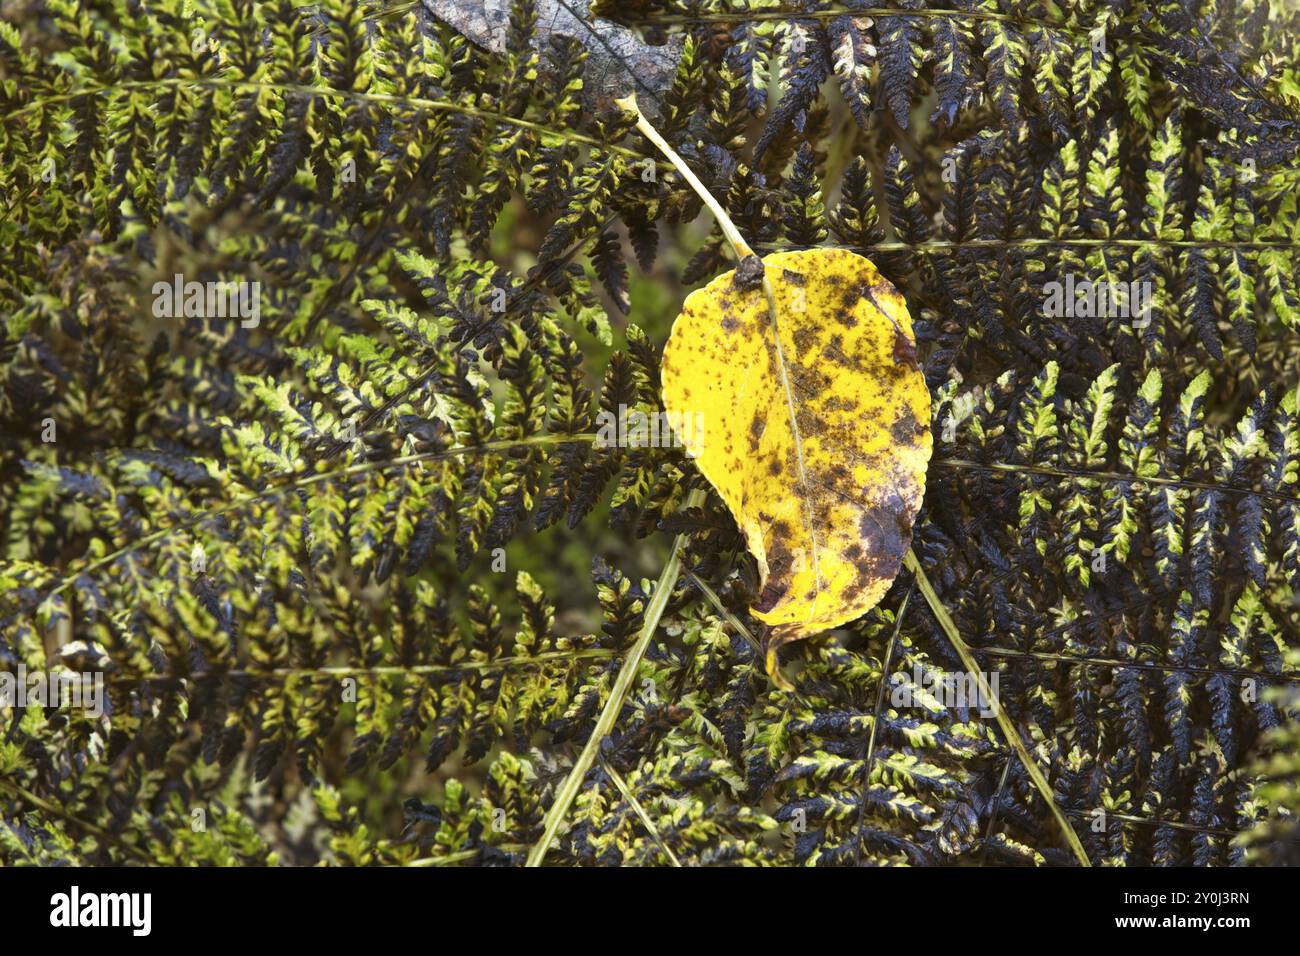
336,906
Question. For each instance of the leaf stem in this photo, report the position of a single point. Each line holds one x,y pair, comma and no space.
1004,721
738,243
564,797
744,251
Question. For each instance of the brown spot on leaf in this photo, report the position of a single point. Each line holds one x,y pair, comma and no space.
834,352
904,428
844,314
805,337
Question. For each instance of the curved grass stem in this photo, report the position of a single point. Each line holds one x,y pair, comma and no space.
564,797
1008,728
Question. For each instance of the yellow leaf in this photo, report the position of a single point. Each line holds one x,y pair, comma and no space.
817,440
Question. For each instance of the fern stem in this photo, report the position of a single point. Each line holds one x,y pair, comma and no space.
55,810
837,10
993,806
1172,824
299,481
415,670
1155,666
1039,242
564,797
597,653
777,14
1004,721
737,241
531,283
1012,652
432,106
1047,242
295,482
1112,476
